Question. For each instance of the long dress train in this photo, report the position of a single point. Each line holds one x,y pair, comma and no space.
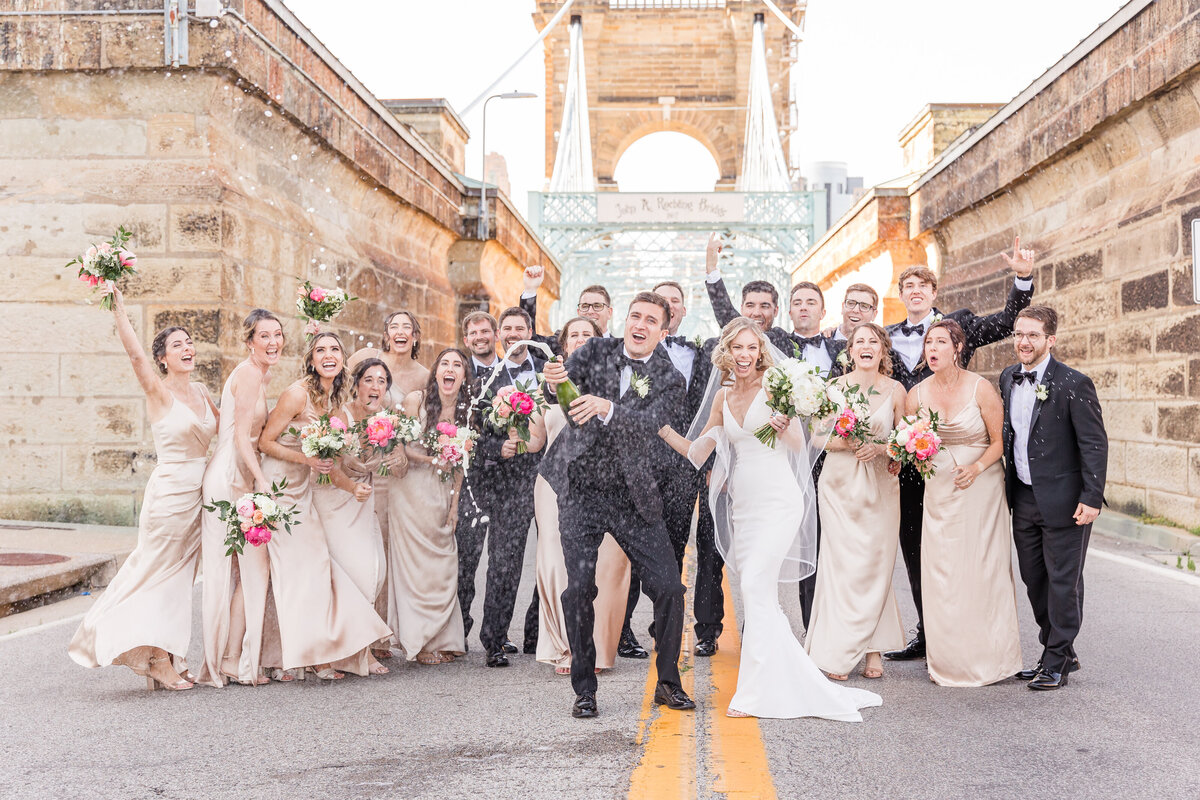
149,602
612,577
967,588
854,608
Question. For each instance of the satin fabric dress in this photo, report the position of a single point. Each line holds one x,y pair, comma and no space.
854,608
423,605
352,528
776,678
969,598
382,485
612,577
323,616
149,602
238,637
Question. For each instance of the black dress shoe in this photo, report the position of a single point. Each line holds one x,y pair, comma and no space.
1030,674
706,647
672,696
509,647
912,651
585,706
1046,681
497,659
628,647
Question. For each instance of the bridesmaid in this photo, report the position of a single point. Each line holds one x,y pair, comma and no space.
401,346
347,507
966,561
422,553
323,617
144,619
854,608
612,565
234,590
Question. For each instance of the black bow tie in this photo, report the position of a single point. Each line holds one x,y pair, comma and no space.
815,341
678,341
1021,377
630,361
909,330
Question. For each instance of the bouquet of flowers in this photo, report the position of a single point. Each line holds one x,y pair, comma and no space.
794,389
253,518
851,420
511,409
325,438
451,446
915,441
107,261
386,429
318,304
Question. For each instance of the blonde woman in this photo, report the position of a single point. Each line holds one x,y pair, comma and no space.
762,499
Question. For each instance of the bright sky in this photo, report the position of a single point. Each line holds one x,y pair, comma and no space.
866,68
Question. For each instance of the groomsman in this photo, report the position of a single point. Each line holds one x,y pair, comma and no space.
598,467
1056,457
861,304
594,304
502,483
918,291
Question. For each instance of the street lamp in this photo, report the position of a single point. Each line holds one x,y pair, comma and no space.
483,226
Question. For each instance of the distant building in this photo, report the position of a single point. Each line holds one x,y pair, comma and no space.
840,189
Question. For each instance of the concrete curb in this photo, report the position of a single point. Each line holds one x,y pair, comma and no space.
1160,537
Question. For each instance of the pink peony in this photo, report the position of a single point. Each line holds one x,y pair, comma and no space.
336,424
448,428
126,258
380,431
443,440
317,294
504,411
923,445
90,252
522,403
845,423
105,247
245,507
258,536
505,393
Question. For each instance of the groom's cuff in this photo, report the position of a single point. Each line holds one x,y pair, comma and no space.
713,276
1023,284
529,295
607,417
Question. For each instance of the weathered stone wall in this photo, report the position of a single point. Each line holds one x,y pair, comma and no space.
237,175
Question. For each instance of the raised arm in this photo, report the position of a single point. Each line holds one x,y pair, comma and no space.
718,295
982,331
158,397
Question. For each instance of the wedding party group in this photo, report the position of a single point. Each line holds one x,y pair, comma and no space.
349,519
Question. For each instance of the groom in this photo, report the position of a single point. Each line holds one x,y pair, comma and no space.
1056,457
602,467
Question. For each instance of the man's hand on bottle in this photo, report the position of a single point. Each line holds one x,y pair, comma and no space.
587,406
555,373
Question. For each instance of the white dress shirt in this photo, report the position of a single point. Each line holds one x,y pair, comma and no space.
1021,401
838,335
910,346
626,379
684,358
817,355
524,373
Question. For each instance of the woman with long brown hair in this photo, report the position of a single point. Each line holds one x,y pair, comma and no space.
323,618
423,508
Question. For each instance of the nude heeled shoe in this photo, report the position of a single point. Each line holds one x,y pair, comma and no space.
153,683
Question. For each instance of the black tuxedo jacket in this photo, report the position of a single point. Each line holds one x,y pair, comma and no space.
629,446
696,382
529,305
1068,446
725,313
979,331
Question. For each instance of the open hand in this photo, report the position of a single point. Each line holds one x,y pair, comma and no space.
534,275
1085,515
587,406
1021,261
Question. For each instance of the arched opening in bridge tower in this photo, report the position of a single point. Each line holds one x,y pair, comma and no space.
666,161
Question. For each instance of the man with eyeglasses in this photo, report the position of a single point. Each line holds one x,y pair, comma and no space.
860,305
918,290
594,304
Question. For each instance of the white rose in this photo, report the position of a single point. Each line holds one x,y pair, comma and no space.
902,436
267,506
835,395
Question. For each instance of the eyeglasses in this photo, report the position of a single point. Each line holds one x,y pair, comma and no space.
855,305
1029,337
592,306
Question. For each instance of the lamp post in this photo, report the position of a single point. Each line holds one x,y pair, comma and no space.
483,225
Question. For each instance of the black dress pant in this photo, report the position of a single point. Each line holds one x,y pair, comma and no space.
1051,564
469,534
808,586
509,506
912,508
708,603
584,518
679,489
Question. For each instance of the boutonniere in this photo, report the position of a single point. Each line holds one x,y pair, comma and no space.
1041,391
843,360
699,342
936,319
640,384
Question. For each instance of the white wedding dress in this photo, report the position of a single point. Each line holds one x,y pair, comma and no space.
762,501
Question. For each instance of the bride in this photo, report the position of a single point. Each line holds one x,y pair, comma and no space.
763,503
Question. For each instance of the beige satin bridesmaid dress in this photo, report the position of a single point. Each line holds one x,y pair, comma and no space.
854,607
968,594
149,602
423,605
237,637
323,616
612,577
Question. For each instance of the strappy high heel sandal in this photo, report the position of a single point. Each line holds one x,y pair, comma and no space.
153,683
327,674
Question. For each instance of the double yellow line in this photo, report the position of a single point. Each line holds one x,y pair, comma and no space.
736,754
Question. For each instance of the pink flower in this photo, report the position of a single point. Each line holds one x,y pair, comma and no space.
448,428
245,507
503,411
923,445
90,252
105,247
504,393
126,258
317,294
312,328
337,424
443,440
845,423
258,536
521,403
380,431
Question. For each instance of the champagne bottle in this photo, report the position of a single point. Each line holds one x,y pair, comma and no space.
567,392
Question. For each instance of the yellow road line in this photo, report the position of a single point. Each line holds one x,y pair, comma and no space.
738,755
667,768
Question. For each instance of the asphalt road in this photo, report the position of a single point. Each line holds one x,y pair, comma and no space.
1126,726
